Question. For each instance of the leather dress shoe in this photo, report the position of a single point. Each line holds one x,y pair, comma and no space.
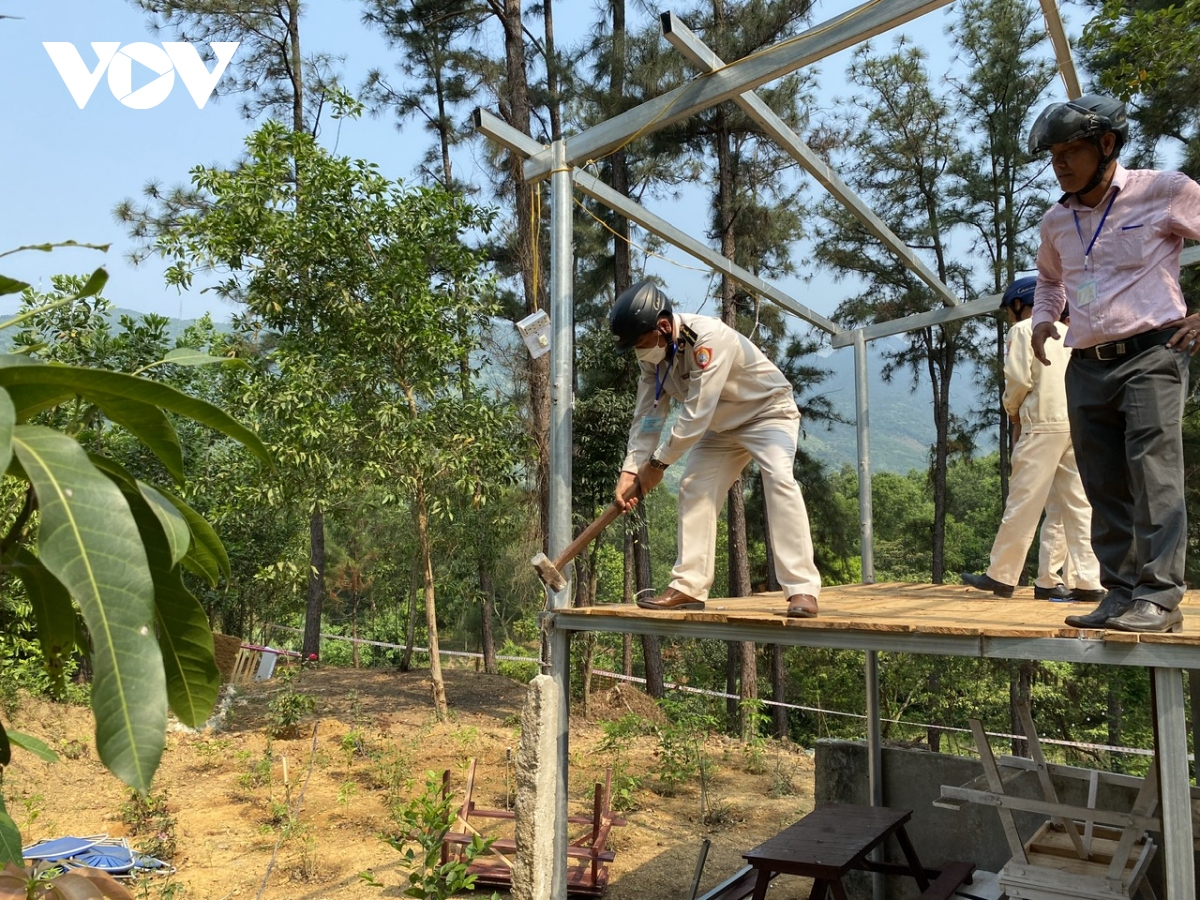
1110,607
802,606
671,599
1058,593
1082,595
1149,618
986,583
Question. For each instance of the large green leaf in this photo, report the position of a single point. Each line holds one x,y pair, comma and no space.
31,399
10,839
52,610
170,519
96,384
184,636
90,542
190,356
11,285
149,425
37,747
206,557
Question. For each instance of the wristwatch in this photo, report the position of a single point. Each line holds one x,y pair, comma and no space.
658,463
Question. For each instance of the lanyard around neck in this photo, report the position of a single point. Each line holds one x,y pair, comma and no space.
659,385
1087,253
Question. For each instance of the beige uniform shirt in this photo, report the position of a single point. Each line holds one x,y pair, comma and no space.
1035,393
720,378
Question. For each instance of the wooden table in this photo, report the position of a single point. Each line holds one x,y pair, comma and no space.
835,839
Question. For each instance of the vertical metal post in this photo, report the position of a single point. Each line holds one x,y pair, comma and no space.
562,401
1171,757
862,419
866,530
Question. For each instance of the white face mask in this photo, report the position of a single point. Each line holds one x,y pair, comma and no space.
652,355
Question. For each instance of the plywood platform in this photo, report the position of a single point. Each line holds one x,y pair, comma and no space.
939,619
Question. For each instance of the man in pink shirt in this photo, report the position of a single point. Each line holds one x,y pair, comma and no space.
1110,251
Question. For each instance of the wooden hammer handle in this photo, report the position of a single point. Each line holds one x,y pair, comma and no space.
588,535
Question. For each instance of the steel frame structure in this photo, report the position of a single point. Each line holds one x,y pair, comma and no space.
560,162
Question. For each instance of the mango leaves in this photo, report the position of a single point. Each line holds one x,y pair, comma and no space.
113,548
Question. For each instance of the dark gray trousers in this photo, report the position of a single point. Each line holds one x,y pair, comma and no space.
1126,427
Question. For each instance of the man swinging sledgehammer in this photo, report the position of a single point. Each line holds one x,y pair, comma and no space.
736,406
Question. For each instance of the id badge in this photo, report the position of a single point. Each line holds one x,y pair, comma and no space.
1086,292
653,424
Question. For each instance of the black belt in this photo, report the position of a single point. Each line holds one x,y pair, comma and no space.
1131,346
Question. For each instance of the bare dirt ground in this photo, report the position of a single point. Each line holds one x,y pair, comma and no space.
274,819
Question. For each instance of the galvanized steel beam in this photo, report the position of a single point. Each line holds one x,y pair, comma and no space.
1179,877
686,42
1062,48
840,32
597,189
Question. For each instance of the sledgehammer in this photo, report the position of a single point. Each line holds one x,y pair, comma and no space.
551,572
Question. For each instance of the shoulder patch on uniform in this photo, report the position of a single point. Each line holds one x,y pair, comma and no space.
687,335
703,357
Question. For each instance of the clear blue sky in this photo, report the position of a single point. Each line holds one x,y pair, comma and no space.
64,169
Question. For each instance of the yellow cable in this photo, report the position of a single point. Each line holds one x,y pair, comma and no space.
644,250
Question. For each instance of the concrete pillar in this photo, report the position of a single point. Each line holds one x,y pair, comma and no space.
537,781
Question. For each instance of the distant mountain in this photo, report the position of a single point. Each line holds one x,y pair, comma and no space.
900,417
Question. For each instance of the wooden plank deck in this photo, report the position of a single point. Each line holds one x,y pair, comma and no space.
939,619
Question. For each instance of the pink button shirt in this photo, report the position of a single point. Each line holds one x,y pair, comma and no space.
1134,261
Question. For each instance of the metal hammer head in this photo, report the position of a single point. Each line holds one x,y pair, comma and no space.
548,572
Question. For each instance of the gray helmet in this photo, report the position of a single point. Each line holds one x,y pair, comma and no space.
1091,116
1020,292
636,312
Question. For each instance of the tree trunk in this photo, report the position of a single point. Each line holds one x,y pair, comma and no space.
553,71
1115,713
354,659
1020,689
517,110
410,631
622,263
779,714
733,668
316,584
296,69
939,374
488,637
652,659
933,736
441,709
747,720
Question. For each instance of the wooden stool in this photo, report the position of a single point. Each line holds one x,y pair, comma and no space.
835,839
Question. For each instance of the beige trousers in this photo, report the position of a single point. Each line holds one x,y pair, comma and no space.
1055,565
1042,462
713,465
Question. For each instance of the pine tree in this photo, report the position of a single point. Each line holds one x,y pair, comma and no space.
901,148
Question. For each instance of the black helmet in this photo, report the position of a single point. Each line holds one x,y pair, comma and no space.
1019,292
1088,117
636,312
